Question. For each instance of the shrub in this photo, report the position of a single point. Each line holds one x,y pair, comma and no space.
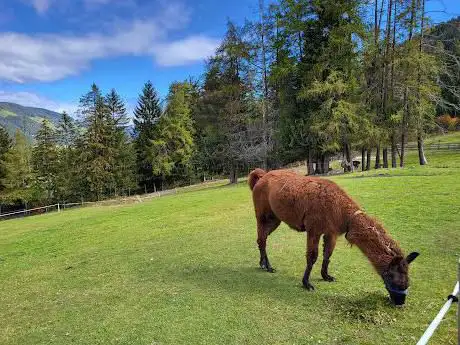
448,122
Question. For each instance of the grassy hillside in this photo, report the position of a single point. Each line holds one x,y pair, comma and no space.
27,119
183,269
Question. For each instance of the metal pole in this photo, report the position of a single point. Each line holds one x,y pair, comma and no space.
59,208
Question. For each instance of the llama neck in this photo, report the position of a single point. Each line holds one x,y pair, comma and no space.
372,239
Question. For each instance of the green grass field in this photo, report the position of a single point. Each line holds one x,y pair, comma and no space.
451,137
183,269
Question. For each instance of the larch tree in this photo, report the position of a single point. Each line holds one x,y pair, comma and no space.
5,145
19,178
173,145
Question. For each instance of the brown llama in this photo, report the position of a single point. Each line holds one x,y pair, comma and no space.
320,207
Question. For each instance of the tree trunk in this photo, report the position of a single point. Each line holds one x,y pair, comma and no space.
421,151
369,156
325,163
393,151
233,175
265,83
385,157
310,168
403,145
319,166
406,112
348,158
363,159
377,158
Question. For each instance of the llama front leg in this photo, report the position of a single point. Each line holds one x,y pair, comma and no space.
329,245
312,255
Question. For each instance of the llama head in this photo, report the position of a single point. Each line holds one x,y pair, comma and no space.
396,278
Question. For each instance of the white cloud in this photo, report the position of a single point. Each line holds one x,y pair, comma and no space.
41,6
30,99
184,51
45,57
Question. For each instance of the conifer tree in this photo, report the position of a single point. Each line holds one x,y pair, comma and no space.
18,180
124,156
45,161
226,102
146,115
96,153
173,144
5,145
68,179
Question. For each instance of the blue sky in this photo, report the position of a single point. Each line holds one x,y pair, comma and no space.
52,50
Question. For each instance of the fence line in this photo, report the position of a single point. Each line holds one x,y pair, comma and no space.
132,199
29,210
434,146
445,308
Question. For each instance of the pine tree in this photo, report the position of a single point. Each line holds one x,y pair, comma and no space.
66,131
45,161
317,76
116,109
124,155
96,151
299,44
5,145
226,103
69,182
125,166
146,115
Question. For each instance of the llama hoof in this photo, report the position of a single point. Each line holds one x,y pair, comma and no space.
328,278
267,268
308,286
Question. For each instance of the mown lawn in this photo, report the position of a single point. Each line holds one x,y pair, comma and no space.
182,269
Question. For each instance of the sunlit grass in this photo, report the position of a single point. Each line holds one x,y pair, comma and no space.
182,269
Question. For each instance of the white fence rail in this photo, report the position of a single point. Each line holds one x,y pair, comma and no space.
445,308
31,211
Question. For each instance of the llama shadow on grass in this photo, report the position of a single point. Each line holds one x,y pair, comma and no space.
371,308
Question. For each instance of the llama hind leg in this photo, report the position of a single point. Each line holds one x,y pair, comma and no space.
265,228
312,255
329,245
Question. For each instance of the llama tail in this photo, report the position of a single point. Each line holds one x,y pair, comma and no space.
254,176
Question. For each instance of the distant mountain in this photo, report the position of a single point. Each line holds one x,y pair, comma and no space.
27,119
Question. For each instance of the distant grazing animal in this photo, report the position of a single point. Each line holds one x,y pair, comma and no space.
320,207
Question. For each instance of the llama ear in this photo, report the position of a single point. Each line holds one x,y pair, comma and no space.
411,257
